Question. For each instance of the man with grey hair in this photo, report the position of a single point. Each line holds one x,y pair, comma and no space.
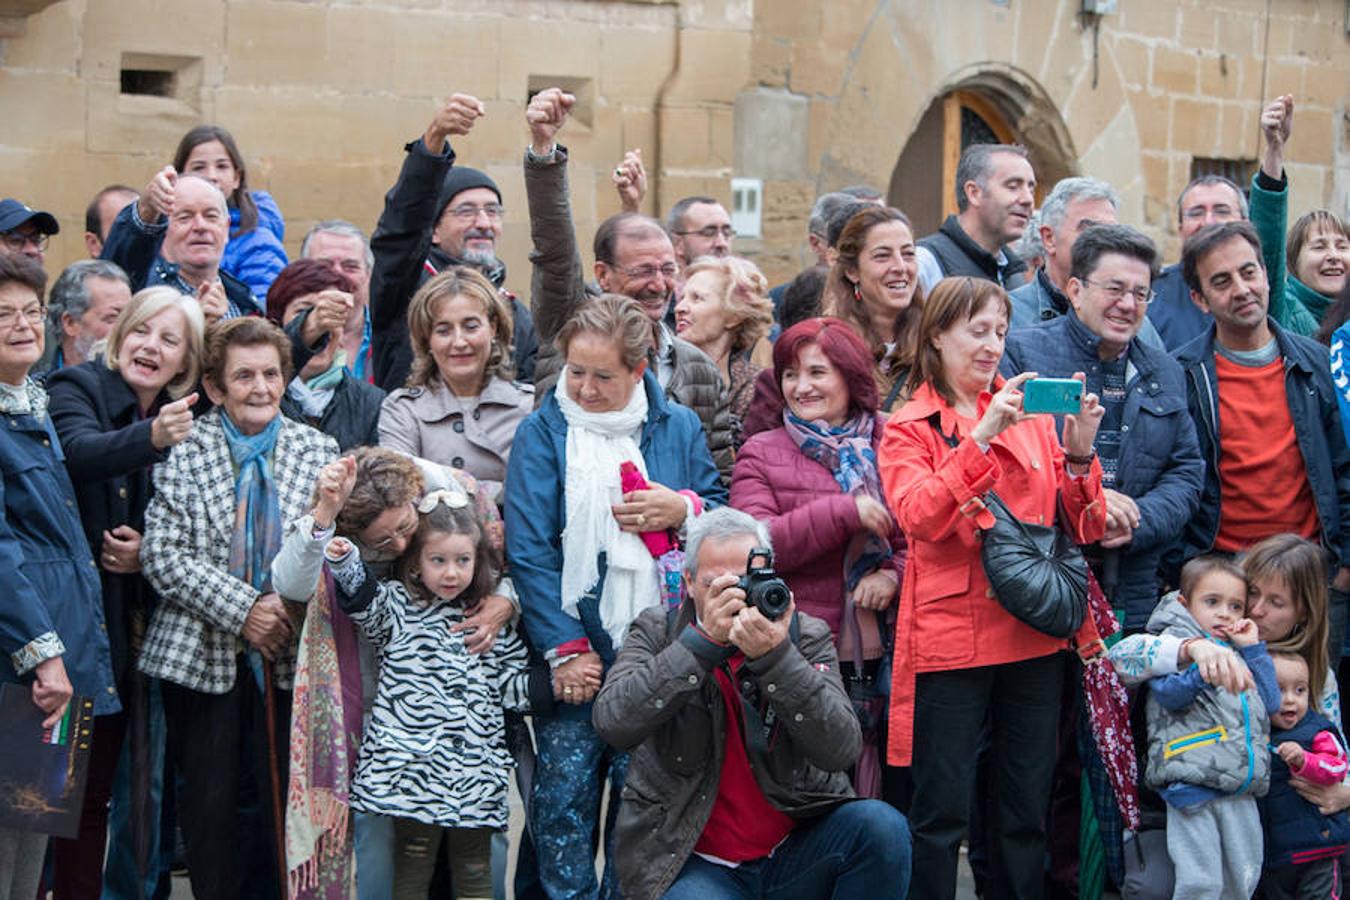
1075,204
82,306
175,235
344,247
1207,200
995,197
741,735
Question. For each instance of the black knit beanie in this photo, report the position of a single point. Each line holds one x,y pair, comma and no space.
462,178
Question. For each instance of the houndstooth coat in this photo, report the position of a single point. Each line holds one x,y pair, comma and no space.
194,637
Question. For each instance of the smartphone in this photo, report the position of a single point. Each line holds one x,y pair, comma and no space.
1061,396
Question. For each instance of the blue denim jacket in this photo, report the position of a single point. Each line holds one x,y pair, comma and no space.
54,602
1160,463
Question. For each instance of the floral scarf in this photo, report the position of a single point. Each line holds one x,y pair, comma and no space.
325,734
847,452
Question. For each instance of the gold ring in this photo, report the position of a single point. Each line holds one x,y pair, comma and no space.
567,690
641,519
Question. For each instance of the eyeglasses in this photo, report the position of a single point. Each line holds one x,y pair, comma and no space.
467,212
711,231
1195,213
9,316
402,531
1115,291
650,271
16,240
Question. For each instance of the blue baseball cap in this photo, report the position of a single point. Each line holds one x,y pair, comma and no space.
13,214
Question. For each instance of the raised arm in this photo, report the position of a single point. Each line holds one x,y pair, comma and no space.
94,453
1270,215
402,236
137,232
557,279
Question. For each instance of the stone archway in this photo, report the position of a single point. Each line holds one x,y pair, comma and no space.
992,103
1061,95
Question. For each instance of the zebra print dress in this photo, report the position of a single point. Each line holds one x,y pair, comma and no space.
435,747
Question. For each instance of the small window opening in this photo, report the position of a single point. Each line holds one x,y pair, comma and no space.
148,82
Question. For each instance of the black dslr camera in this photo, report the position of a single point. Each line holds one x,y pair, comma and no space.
764,590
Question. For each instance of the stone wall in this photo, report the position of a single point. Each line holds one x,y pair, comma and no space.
1131,97
808,95
322,95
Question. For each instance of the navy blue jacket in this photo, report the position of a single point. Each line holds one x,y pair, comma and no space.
1160,465
676,454
134,246
109,457
1313,406
1040,301
1178,320
1294,829
51,582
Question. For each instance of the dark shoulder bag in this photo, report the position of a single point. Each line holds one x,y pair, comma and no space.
1038,572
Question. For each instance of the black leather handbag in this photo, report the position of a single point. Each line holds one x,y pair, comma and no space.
1037,572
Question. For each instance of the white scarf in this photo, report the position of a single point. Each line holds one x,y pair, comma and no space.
596,444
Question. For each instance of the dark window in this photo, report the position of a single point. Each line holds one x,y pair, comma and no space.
975,130
1238,171
148,82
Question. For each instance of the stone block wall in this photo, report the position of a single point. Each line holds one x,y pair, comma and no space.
323,94
1133,96
808,95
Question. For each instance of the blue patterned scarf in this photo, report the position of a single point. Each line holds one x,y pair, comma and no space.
256,537
847,452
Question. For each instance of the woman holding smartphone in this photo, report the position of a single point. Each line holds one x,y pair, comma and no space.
960,657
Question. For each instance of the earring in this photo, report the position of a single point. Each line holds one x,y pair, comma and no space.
857,292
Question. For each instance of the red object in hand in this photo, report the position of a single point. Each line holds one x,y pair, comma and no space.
630,479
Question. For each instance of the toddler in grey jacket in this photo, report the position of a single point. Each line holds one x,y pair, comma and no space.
1207,753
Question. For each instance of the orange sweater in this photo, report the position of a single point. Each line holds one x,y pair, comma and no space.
1263,482
948,616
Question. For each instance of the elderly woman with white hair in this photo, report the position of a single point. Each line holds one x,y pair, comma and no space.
724,310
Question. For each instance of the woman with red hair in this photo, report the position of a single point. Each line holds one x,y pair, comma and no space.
324,394
814,480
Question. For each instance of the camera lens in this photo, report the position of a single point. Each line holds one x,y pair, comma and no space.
772,598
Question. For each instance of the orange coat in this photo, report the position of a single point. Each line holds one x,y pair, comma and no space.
948,616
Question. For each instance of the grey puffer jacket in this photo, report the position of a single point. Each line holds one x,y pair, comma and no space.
1219,740
558,287
661,702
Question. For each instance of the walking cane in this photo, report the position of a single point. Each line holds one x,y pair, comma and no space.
274,777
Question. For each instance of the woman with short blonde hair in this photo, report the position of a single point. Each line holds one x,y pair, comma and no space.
725,310
148,304
116,418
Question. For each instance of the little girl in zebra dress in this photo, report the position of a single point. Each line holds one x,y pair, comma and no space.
434,756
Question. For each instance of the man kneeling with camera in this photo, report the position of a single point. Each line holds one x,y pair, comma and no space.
741,734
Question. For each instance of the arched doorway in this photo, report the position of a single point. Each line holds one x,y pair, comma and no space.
981,109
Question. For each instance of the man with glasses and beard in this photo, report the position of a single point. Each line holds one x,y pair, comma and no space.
437,215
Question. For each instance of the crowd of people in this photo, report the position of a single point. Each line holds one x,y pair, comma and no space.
340,548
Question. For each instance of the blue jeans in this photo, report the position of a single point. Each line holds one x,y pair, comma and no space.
572,762
861,849
373,836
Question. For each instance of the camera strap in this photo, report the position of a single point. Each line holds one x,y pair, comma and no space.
758,728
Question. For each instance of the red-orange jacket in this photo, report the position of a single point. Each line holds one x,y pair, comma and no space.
948,616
